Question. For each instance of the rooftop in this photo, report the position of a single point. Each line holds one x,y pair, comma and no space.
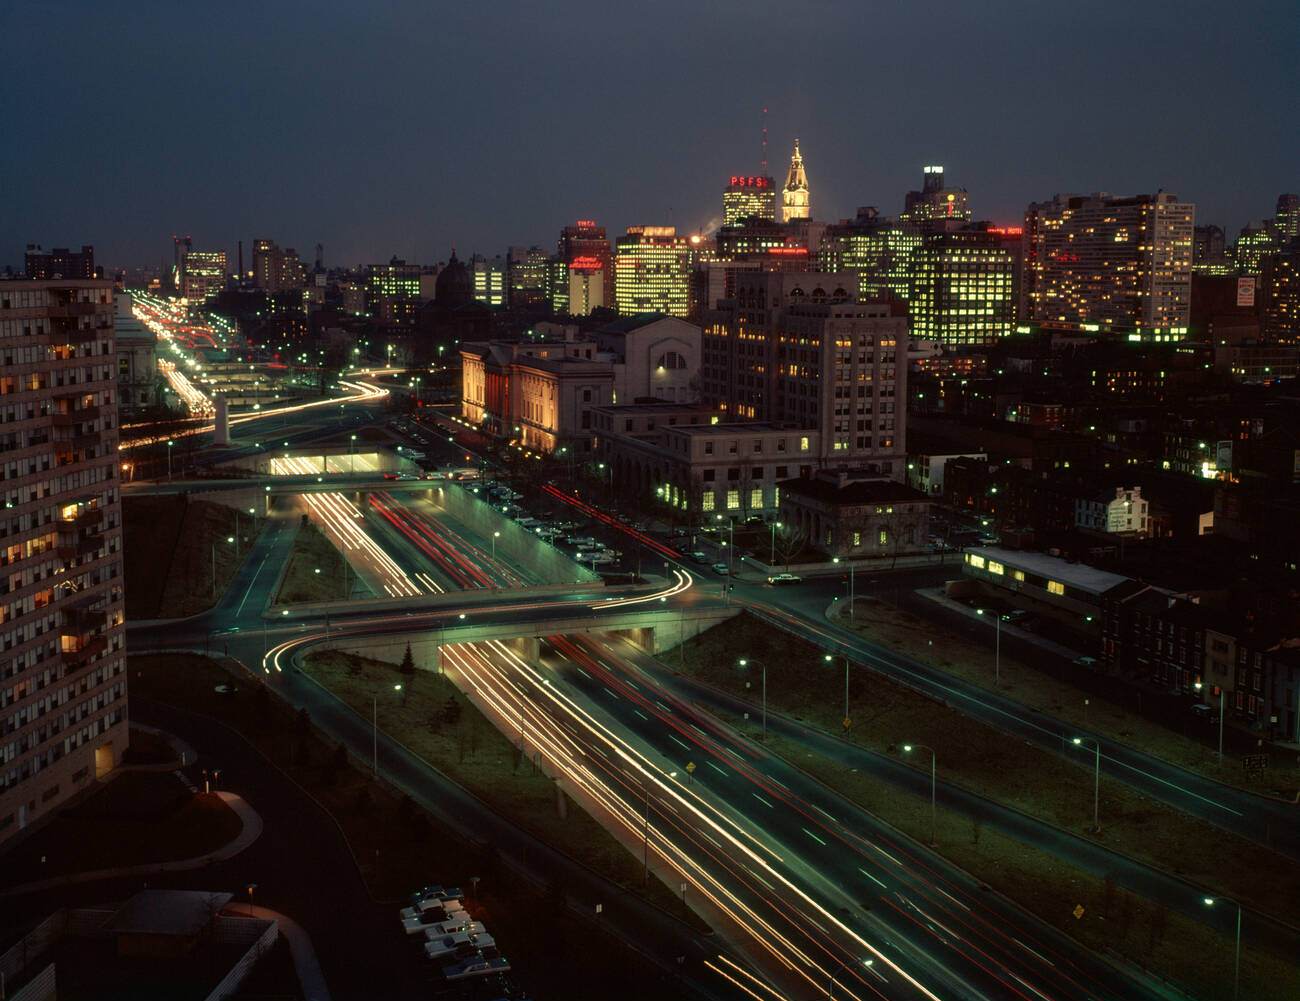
1078,575
876,491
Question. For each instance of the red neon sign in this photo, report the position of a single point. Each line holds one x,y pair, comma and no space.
586,223
742,181
787,250
585,264
1007,230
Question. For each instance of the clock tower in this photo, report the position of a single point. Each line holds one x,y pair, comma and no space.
794,199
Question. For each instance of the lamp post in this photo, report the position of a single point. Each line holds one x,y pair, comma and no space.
1096,782
1236,956
997,646
908,748
745,662
170,443
772,559
852,567
374,746
250,888
229,538
830,659
495,536
731,546
352,455
1222,692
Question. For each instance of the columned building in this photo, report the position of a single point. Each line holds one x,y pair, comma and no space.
63,719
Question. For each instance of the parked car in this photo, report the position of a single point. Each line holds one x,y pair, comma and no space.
1085,662
447,946
461,922
448,908
476,966
784,578
436,921
597,556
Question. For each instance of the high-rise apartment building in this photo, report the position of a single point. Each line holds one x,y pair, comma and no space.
1097,262
526,277
1254,244
62,638
652,268
489,276
1210,252
1280,287
276,269
796,200
203,274
935,202
748,196
962,287
59,262
798,349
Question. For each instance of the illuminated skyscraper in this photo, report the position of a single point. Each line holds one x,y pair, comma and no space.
489,280
526,277
1096,262
393,291
62,631
875,249
1281,296
203,274
962,287
1254,244
277,270
652,267
935,202
1209,252
746,197
796,202
1287,216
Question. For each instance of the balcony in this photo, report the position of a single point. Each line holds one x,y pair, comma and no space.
65,310
85,518
80,547
64,420
81,615
83,648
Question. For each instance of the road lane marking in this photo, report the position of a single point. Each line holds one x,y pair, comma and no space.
715,768
642,715
823,813
763,801
613,693
679,742
813,836
872,878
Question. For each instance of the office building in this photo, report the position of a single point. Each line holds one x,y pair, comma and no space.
1281,296
798,349
1286,218
652,268
584,247
584,286
59,263
393,291
1210,252
1117,265
963,287
748,197
796,202
489,278
877,250
62,637
203,274
526,278
935,202
276,269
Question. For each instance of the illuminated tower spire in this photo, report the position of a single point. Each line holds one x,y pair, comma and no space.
795,202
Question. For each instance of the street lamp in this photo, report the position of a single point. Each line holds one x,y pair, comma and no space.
997,646
836,559
170,443
352,455
745,662
1222,691
1236,959
830,659
775,526
908,748
374,759
731,547
1096,783
229,538
495,536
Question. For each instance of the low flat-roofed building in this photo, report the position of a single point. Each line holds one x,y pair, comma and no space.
849,516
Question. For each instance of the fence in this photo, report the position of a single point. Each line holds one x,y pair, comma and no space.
231,929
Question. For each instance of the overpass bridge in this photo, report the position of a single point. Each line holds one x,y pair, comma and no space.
265,484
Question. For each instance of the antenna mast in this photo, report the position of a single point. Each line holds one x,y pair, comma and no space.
763,170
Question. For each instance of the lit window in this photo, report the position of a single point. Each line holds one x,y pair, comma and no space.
756,497
882,537
803,444
857,538
1055,587
733,500
1018,575
975,560
707,501
996,567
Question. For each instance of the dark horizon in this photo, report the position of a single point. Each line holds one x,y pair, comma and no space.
406,130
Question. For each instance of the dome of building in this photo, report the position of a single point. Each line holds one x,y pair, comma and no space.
454,285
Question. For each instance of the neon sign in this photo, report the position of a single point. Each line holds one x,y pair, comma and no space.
586,264
787,250
586,224
742,181
1007,230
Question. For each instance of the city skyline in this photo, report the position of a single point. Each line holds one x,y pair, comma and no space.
300,176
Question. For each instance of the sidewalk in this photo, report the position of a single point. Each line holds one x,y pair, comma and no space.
305,962
1008,628
250,832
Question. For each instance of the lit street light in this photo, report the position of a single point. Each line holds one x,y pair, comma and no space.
907,748
374,761
836,559
1096,783
997,646
745,662
775,526
1236,958
1222,691
830,659
495,536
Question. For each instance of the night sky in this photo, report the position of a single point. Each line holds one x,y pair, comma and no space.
407,127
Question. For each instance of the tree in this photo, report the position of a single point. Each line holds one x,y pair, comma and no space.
788,543
451,710
407,667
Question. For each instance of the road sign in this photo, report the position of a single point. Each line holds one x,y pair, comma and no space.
1077,912
847,723
1254,762
690,767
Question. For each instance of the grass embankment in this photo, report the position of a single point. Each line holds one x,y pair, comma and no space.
931,643
555,953
136,819
885,715
316,570
464,745
169,545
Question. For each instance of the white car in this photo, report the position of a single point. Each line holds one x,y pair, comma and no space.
451,926
476,966
447,945
784,578
449,907
600,557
